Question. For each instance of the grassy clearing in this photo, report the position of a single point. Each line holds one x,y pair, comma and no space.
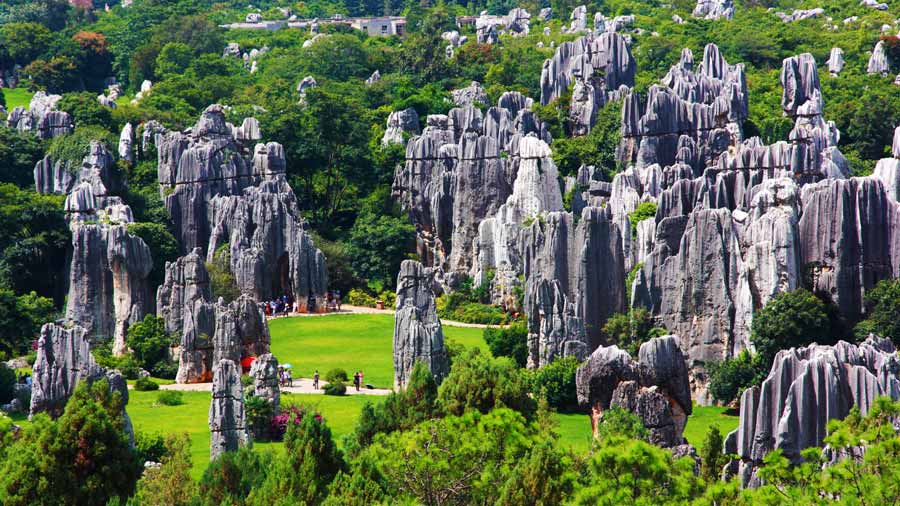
574,430
340,413
705,416
16,97
352,342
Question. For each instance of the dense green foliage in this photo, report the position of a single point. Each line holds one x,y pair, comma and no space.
478,382
511,341
555,383
882,312
149,343
729,378
629,331
790,319
82,458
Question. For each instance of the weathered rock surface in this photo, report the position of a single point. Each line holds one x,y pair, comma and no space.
398,123
63,360
217,192
707,105
879,62
459,172
655,388
835,61
714,9
588,261
888,169
227,420
108,268
208,330
471,95
806,388
417,328
800,14
126,140
41,117
264,372
601,68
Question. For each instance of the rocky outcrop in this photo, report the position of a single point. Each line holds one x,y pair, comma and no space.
126,140
835,61
805,389
227,420
264,372
588,261
108,267
714,9
459,172
471,95
800,14
518,22
849,239
221,194
601,68
707,105
63,360
399,123
655,388
41,117
879,62
577,20
208,330
417,329
555,330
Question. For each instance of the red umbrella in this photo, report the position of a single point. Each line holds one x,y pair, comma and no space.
246,362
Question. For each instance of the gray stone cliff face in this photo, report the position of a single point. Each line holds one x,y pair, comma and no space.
227,420
217,191
417,328
806,388
208,330
41,117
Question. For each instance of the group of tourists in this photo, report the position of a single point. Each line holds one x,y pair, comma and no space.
285,378
286,304
280,306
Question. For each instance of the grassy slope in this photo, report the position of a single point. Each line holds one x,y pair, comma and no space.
352,342
16,97
705,416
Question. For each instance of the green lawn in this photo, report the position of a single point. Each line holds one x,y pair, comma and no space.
341,414
575,429
16,97
705,416
352,342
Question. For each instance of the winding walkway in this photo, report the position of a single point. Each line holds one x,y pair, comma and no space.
300,386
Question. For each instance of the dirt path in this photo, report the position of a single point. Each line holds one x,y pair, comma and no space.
300,386
348,309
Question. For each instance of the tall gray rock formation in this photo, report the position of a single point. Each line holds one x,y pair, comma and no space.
218,192
459,172
108,269
227,420
417,328
588,261
835,61
655,388
264,372
849,239
208,330
805,389
708,105
601,68
63,360
879,63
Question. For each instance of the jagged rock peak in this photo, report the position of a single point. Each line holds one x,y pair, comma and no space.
398,123
227,419
41,117
471,95
879,63
806,387
835,61
417,328
264,372
655,388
